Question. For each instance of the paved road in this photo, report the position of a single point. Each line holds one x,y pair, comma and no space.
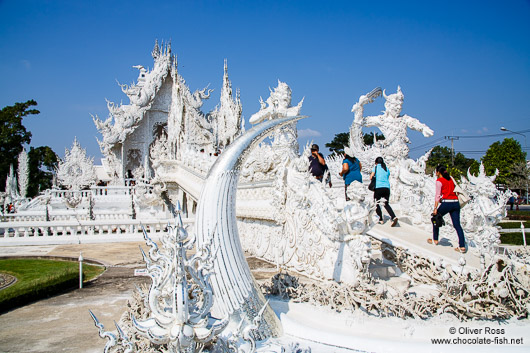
62,323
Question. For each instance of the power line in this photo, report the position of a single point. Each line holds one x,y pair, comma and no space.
428,144
492,135
437,141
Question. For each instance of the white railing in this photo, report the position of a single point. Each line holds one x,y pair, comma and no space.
199,162
515,230
60,194
26,217
65,216
80,230
111,190
112,216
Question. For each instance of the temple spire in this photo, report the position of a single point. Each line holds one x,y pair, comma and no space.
156,50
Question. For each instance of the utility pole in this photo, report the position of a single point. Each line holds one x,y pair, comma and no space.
452,138
525,147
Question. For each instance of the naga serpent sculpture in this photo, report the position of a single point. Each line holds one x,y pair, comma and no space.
236,293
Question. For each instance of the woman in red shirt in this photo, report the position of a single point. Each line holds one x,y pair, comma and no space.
446,201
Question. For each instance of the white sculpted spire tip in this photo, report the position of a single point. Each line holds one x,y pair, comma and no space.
226,119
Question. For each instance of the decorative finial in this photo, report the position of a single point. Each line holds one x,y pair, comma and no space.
156,50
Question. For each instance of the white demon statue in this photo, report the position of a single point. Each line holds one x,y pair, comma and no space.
413,190
410,187
481,215
317,231
264,160
392,124
279,105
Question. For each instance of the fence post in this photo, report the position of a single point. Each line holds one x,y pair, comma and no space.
80,270
524,236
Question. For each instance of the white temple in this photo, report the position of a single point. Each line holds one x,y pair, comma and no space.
168,160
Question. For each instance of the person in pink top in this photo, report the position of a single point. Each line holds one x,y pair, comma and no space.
446,201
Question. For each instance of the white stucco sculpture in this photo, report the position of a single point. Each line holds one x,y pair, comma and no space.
483,213
307,227
237,294
23,173
226,119
76,170
279,105
11,192
412,189
216,281
392,124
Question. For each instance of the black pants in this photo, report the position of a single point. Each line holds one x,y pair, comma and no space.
380,193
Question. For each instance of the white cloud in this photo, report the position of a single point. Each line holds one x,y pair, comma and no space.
482,130
308,133
464,131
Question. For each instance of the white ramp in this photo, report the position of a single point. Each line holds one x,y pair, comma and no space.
415,240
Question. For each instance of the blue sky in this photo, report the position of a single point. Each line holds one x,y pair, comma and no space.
464,66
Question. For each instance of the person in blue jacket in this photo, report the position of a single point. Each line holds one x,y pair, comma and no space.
382,189
351,170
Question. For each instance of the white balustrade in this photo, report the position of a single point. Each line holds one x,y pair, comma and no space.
84,229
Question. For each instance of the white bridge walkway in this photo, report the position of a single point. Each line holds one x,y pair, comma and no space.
78,232
415,240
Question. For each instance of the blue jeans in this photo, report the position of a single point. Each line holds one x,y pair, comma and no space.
453,208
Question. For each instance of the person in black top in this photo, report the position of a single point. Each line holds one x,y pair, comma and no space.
317,164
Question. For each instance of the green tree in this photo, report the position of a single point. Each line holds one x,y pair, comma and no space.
13,135
504,156
42,164
339,141
456,166
520,175
342,139
369,138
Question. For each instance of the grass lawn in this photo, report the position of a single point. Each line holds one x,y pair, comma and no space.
37,279
514,238
513,225
521,214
